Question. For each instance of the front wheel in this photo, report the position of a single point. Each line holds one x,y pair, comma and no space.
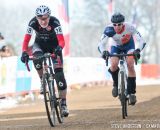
49,103
123,98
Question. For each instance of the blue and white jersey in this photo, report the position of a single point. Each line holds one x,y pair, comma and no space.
119,39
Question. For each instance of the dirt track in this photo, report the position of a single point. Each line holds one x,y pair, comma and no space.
91,108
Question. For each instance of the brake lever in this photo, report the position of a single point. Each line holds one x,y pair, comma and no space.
136,59
107,61
27,65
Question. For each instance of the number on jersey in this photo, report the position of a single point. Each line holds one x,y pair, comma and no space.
58,30
29,30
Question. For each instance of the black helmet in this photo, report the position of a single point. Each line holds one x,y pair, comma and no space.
117,18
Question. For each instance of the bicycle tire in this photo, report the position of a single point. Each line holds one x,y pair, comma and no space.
51,113
60,117
123,98
57,105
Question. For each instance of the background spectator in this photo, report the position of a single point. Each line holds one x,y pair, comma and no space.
5,50
1,37
2,40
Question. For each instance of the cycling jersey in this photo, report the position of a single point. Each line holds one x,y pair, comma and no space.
46,38
121,39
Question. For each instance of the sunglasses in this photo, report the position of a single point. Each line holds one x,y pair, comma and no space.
41,18
118,24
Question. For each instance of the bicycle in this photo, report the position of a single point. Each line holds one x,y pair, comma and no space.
51,99
122,81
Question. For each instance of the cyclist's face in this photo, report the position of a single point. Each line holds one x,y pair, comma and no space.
43,21
118,27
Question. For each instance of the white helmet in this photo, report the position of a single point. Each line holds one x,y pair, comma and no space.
42,10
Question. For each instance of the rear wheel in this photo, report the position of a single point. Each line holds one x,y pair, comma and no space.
60,117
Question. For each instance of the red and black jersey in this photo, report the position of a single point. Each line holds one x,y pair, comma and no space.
47,38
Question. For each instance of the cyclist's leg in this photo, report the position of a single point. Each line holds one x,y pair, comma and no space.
61,83
131,81
114,69
38,64
131,76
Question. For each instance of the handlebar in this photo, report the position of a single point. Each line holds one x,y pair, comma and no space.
121,55
46,55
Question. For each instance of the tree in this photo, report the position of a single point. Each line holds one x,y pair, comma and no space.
87,27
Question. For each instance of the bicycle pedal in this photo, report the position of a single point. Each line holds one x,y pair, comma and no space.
65,114
132,104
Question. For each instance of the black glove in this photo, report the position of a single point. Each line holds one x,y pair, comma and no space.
24,57
105,54
137,53
58,50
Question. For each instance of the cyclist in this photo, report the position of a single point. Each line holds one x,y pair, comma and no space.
49,38
122,34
